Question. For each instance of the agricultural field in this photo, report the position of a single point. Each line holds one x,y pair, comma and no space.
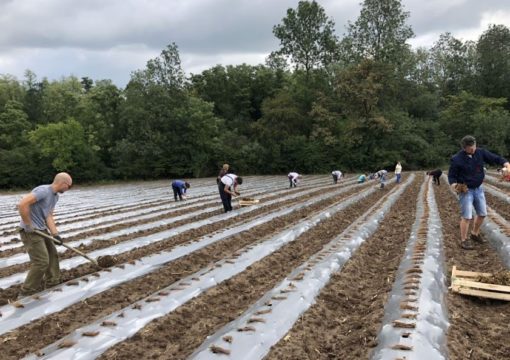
320,271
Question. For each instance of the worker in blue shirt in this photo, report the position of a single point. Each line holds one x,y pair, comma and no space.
466,167
179,187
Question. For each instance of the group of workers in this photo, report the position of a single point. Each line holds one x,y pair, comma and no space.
36,208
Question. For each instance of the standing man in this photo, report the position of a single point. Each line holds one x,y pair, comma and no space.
223,172
436,174
36,210
398,171
465,177
179,187
337,175
293,178
228,187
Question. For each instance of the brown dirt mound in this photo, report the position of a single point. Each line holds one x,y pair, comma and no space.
106,261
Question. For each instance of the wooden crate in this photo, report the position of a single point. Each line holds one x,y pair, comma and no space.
463,283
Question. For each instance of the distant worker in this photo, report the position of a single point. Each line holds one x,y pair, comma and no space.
398,172
436,174
466,176
179,187
381,174
293,178
362,178
228,188
223,172
36,210
337,175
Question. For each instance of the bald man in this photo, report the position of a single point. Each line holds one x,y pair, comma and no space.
36,210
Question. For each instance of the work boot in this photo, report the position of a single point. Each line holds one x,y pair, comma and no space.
467,244
477,238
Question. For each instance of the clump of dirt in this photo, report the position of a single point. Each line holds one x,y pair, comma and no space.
500,278
106,261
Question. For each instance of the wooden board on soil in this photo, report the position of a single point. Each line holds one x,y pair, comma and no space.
248,201
465,282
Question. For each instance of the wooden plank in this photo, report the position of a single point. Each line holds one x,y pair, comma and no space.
481,285
458,273
248,202
484,294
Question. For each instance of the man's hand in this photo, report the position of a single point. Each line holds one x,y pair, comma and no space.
29,229
58,239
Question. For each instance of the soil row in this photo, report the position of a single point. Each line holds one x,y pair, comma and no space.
349,311
49,329
179,333
478,328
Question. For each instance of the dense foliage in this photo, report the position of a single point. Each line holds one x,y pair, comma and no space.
319,103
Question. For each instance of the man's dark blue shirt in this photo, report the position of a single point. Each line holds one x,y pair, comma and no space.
468,169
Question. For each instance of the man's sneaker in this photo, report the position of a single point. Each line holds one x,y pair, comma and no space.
477,238
467,245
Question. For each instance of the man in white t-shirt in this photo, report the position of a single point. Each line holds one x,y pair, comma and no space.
228,188
293,178
337,175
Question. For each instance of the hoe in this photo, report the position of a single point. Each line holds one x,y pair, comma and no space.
101,262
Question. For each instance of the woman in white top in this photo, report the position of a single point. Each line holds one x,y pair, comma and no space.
398,171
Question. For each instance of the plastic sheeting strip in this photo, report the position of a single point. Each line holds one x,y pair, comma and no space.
415,324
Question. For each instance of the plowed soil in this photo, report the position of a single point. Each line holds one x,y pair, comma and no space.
342,324
49,329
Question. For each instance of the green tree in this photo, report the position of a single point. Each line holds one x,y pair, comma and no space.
64,145
486,118
493,51
13,125
380,33
10,90
87,83
60,99
451,64
33,97
99,113
307,36
237,92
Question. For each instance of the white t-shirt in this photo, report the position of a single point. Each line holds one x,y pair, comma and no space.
338,173
398,169
229,179
294,175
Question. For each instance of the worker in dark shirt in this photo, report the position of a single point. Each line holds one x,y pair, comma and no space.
179,187
436,174
467,168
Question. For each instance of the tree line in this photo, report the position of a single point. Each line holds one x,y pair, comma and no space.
319,103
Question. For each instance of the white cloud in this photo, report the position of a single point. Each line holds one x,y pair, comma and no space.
110,39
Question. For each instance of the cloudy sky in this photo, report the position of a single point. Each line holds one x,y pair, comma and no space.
108,39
